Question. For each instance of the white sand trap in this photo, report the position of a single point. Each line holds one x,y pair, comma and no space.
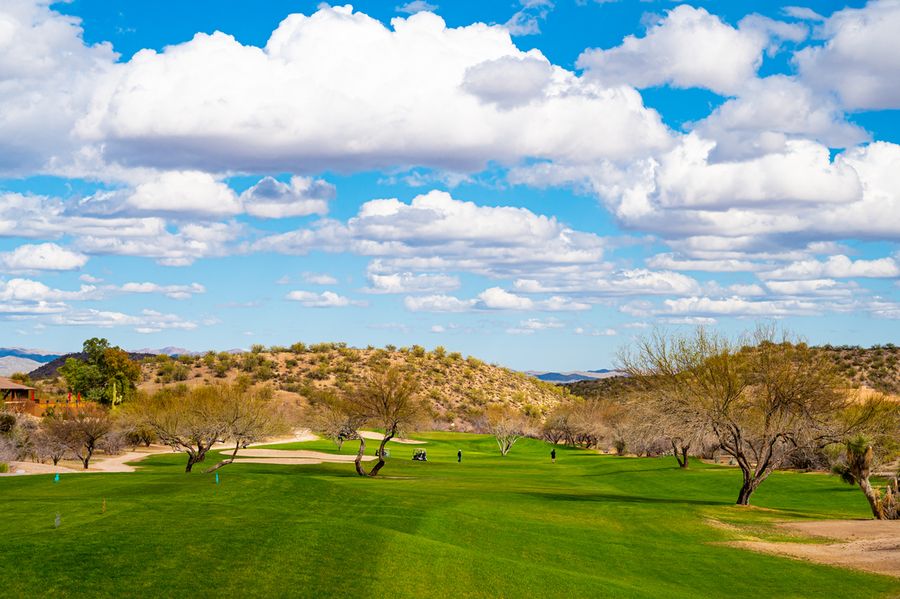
299,454
870,545
99,463
379,437
298,436
22,468
289,461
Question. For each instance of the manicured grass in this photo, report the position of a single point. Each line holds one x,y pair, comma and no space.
587,526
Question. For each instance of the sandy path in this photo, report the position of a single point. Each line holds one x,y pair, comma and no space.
379,437
870,545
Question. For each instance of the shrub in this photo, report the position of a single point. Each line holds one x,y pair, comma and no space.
4,467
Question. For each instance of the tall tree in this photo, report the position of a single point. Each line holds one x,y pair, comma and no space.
388,400
105,375
763,401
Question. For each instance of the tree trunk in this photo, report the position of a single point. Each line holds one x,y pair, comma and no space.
684,456
872,497
746,491
380,464
359,456
226,461
677,453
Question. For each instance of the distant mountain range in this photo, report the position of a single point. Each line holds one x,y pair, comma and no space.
573,375
12,364
19,359
49,370
168,351
38,355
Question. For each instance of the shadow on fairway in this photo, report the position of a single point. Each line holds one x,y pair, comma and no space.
613,498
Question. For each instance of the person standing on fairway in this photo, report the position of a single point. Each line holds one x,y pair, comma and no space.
553,455
458,456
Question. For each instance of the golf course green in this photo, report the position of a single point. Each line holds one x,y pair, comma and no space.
589,525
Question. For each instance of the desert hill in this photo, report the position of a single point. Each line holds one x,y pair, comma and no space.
876,368
458,388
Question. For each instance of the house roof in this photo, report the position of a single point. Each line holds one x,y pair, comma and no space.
6,384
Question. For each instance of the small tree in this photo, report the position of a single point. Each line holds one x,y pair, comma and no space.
507,426
47,447
187,421
80,431
251,415
328,416
389,400
860,458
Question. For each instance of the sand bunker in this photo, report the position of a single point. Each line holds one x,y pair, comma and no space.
99,463
379,437
275,456
120,463
870,545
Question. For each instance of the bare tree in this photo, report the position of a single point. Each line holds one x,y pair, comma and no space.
79,430
507,425
48,447
328,417
762,402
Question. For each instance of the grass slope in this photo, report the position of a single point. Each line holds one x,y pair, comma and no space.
587,526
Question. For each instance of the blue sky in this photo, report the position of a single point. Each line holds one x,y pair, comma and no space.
532,182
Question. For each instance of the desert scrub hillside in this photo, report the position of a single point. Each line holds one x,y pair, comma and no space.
877,367
458,388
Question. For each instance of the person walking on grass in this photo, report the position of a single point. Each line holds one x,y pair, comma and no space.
459,456
553,455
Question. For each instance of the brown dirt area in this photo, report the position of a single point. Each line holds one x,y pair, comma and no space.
869,545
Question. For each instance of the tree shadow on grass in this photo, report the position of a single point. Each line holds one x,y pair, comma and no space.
633,471
615,498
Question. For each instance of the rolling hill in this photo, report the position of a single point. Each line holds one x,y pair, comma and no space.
458,388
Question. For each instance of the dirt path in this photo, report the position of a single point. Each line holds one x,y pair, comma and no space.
870,545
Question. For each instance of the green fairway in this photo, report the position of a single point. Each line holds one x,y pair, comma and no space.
519,526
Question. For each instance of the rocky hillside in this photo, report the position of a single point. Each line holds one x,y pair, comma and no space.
458,388
877,367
